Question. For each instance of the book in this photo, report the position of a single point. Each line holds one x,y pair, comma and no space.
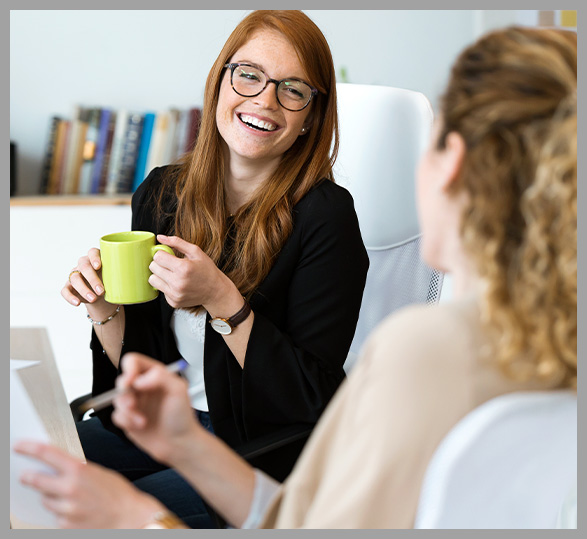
116,151
148,123
75,148
62,164
57,158
48,156
155,156
182,132
13,168
130,150
101,142
84,117
107,153
170,148
89,151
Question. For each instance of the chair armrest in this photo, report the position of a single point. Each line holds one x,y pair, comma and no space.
75,404
276,440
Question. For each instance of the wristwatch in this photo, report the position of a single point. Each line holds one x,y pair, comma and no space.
224,326
164,520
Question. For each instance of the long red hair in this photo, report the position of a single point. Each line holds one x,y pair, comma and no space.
263,225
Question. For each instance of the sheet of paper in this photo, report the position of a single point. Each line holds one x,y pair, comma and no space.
22,363
25,423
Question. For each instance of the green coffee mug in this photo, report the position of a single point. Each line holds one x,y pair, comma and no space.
125,266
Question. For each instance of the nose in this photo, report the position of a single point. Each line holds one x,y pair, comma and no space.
268,97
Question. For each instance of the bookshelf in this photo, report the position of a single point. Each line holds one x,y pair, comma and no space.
72,200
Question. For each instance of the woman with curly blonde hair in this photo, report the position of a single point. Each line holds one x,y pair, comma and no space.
497,198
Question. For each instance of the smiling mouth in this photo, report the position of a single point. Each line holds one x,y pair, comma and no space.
255,123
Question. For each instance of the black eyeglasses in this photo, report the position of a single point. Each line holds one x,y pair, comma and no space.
249,81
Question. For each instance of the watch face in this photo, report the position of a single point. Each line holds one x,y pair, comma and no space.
221,326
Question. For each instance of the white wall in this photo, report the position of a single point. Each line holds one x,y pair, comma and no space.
39,266
156,59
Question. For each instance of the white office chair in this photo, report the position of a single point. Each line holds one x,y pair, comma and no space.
383,132
567,515
509,464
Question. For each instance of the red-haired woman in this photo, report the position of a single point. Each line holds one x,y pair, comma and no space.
265,239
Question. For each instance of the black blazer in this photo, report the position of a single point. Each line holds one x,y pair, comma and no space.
306,311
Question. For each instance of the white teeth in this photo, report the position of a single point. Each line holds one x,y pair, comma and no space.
257,123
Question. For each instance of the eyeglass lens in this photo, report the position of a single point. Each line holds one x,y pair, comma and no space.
249,81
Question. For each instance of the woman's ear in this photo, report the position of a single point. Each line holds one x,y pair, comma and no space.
451,159
307,123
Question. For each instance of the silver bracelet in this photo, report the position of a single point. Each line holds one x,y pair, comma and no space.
106,320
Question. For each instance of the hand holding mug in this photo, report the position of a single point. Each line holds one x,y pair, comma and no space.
120,268
84,284
192,280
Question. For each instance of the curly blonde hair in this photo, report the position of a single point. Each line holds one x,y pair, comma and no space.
512,97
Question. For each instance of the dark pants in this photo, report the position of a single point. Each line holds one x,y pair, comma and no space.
112,451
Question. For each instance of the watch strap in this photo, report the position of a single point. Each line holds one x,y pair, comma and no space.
240,316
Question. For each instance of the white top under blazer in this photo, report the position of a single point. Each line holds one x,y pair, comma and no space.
189,330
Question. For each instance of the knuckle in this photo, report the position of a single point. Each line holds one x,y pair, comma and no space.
183,269
69,490
171,301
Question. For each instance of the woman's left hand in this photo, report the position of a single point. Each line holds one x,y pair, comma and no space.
86,495
192,280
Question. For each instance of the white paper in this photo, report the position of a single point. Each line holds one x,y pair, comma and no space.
25,423
22,363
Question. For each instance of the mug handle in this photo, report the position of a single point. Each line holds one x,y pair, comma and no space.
159,247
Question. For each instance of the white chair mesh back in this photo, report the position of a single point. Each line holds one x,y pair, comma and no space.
509,464
397,277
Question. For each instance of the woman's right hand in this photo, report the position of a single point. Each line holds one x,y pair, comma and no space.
84,284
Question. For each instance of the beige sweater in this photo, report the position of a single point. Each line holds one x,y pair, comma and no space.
419,374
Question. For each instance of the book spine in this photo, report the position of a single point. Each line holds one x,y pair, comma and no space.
107,153
71,156
101,142
48,157
89,152
130,151
148,123
116,151
170,148
53,187
157,146
62,167
182,133
79,158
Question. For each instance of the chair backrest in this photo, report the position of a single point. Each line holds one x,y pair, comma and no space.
508,464
383,132
567,515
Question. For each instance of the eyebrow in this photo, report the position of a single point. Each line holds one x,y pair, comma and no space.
250,63
253,64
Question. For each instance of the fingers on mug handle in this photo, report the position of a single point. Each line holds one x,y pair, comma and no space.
165,248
